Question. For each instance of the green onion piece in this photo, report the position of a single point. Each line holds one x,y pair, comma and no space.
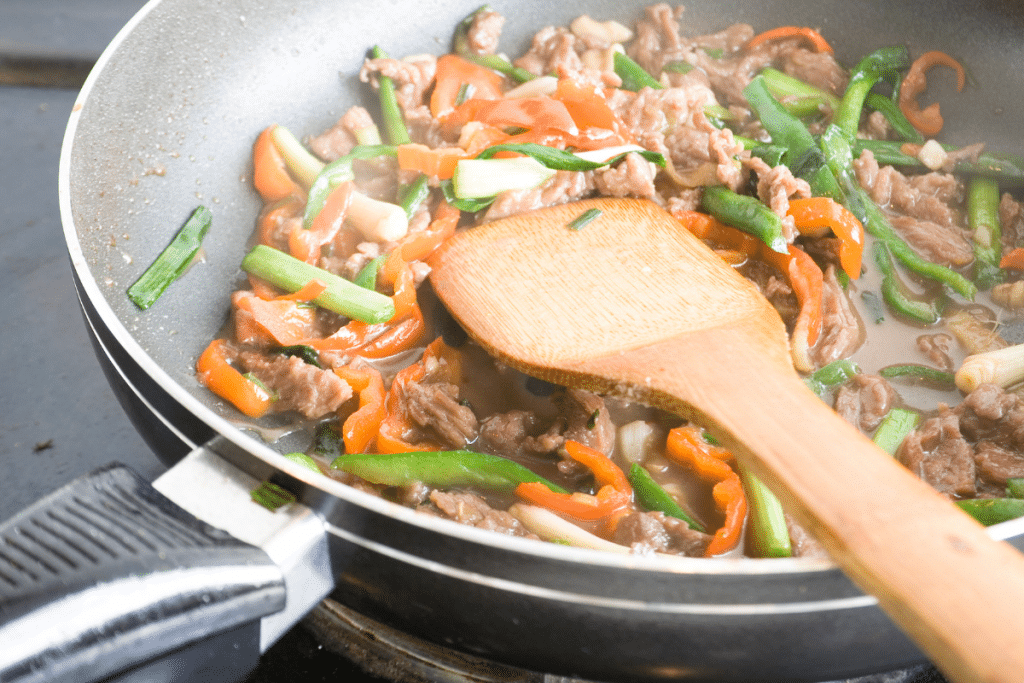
991,511
341,296
632,74
394,122
272,496
1015,487
894,427
304,460
918,372
468,205
678,67
475,178
561,160
584,219
173,261
440,469
307,354
336,173
412,196
367,275
655,498
769,531
303,165
983,218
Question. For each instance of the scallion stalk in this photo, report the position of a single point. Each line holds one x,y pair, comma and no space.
172,261
303,165
476,178
394,122
341,296
894,427
769,531
652,496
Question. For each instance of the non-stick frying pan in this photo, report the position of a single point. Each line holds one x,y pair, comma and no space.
111,577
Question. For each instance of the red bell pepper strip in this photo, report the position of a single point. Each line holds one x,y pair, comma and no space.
927,121
686,446
812,36
305,244
270,173
613,498
360,428
1013,259
214,371
453,75
437,163
825,213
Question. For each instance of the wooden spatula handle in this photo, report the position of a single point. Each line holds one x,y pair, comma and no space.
936,572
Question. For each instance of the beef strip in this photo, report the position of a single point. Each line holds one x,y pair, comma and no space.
937,347
655,532
338,140
970,450
1011,221
472,510
435,406
564,186
842,331
632,177
864,400
302,387
920,209
484,32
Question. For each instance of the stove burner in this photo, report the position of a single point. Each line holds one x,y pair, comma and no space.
391,655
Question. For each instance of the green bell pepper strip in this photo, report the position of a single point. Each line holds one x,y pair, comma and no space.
746,213
895,297
897,121
652,496
864,76
1015,487
991,511
799,98
983,219
304,460
827,377
367,275
440,469
769,531
394,122
412,196
918,372
894,428
1008,169
173,261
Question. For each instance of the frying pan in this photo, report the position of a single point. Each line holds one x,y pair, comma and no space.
204,583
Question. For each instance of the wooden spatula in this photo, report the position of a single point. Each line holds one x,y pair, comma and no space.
632,304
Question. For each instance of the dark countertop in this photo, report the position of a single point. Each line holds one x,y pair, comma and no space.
58,417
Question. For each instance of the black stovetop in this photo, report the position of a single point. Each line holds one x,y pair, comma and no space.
58,417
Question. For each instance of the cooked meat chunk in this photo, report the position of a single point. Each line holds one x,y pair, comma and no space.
470,509
655,532
302,387
937,347
971,449
864,400
435,406
564,186
842,331
632,177
484,32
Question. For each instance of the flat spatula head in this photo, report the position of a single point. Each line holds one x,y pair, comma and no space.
543,296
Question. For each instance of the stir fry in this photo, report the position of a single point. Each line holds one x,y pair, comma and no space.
891,256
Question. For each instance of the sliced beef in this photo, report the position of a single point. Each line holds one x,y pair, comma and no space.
470,509
556,50
775,187
1011,221
921,208
842,331
632,177
864,400
302,387
564,186
435,406
820,69
971,449
938,453
484,32
338,140
804,545
655,532
937,348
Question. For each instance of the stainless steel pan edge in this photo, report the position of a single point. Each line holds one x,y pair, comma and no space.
146,144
